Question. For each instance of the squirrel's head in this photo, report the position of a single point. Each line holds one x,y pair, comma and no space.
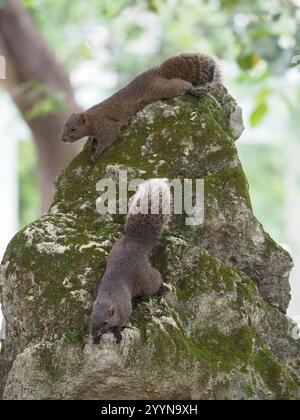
103,319
75,128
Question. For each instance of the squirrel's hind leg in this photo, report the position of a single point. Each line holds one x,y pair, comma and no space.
198,91
150,282
203,90
107,138
170,88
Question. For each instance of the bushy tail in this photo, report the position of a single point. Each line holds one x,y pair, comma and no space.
149,211
198,69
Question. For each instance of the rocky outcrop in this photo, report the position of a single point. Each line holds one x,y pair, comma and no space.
219,332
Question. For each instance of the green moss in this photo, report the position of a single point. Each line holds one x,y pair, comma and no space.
234,180
214,351
276,375
5,366
271,246
45,361
54,281
246,291
224,352
211,275
76,337
249,392
140,142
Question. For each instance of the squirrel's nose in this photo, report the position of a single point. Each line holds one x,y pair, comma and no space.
66,139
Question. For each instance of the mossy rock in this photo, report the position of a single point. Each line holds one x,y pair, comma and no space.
219,333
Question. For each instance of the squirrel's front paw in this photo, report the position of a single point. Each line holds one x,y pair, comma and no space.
199,92
95,156
96,339
93,144
117,334
96,149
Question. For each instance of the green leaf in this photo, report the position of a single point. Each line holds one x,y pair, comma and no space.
152,6
85,52
248,62
46,106
263,96
258,114
29,203
229,4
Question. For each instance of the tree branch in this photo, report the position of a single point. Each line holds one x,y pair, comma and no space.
33,72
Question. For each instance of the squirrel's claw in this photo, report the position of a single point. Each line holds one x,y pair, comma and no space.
95,156
117,334
96,339
96,149
199,92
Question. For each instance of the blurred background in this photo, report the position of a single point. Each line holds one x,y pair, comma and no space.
59,56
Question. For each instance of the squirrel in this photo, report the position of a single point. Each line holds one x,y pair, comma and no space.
185,73
129,273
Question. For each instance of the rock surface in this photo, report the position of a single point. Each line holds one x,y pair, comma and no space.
219,333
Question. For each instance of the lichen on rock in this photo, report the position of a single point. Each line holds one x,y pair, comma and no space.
219,332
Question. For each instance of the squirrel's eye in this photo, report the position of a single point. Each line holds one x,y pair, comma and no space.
105,322
73,129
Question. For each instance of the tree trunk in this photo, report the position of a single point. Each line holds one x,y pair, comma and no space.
30,64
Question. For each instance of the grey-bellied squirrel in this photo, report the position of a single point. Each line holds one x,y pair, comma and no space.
129,273
185,73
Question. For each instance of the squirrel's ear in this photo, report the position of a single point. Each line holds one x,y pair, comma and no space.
83,118
111,310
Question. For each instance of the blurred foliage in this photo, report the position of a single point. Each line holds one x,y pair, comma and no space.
264,165
124,37
261,107
46,100
29,204
127,36
248,31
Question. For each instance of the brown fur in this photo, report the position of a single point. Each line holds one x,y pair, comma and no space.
174,77
129,274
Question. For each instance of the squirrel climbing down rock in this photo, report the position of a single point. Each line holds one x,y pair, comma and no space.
129,273
185,73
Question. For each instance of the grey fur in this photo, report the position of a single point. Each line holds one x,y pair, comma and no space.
129,273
